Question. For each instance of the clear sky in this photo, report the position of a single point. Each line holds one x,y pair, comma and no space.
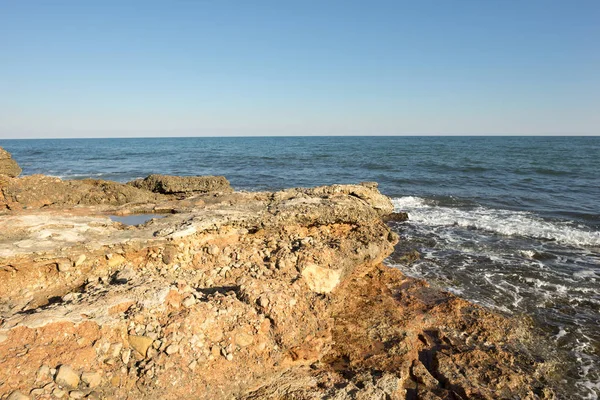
86,68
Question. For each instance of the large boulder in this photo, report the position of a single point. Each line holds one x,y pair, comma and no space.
8,166
167,184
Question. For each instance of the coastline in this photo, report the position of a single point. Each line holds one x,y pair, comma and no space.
234,294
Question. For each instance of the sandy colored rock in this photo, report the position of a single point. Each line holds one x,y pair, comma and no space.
8,166
141,344
246,296
319,279
91,379
37,191
67,377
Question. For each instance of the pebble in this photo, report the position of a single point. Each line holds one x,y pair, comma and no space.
126,355
79,260
92,379
43,373
64,266
189,301
67,377
172,349
115,349
76,394
213,250
59,393
141,344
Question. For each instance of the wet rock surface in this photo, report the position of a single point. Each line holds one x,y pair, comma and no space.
235,295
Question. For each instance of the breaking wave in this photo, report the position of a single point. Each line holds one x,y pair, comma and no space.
504,222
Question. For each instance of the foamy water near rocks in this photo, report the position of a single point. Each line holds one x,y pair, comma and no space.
233,295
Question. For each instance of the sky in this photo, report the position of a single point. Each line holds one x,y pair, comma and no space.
299,67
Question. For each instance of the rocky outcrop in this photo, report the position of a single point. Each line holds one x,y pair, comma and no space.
39,191
240,295
167,184
8,166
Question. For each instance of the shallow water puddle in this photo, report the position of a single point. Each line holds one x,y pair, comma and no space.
136,219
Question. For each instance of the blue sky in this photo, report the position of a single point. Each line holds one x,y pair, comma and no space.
196,68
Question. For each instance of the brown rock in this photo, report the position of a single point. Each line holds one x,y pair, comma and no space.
287,296
8,166
141,344
396,217
67,377
91,379
167,184
319,279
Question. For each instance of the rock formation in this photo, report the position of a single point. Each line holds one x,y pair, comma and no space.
166,184
8,166
233,295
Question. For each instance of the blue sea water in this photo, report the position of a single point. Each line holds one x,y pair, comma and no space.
512,223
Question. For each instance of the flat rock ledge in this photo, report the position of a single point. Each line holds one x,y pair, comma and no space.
234,295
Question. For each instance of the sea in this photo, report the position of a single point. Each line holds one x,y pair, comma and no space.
511,223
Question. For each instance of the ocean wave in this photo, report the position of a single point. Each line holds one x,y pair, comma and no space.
503,222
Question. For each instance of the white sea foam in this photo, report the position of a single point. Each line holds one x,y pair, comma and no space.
504,222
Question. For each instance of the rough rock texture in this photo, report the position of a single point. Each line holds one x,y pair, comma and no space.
39,191
241,295
8,166
166,184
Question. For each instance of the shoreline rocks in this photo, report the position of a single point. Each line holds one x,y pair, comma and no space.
235,295
8,166
165,184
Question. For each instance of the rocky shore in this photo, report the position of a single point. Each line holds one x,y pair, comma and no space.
233,295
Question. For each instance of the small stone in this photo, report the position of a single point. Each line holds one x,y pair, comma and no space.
76,394
229,357
140,343
115,260
126,355
36,392
43,373
93,396
244,339
92,379
169,254
172,349
189,301
213,250
115,349
16,395
193,365
64,266
67,377
79,260
59,393
263,301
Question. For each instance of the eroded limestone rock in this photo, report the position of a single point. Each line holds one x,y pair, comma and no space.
241,295
167,184
8,166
